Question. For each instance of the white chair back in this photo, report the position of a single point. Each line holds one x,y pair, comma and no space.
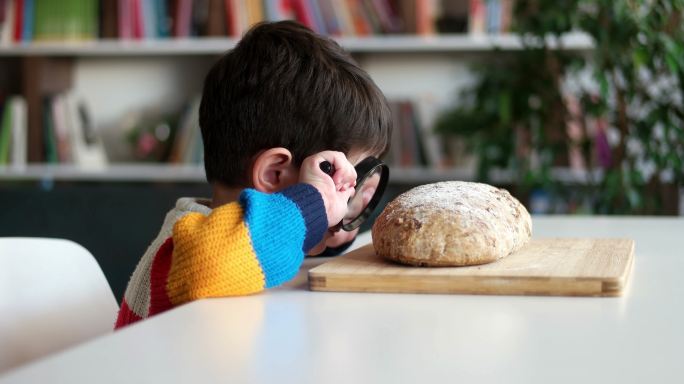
53,295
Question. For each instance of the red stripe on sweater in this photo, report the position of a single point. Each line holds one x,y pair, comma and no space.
126,316
159,299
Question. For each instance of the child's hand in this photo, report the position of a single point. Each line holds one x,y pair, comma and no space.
335,190
341,237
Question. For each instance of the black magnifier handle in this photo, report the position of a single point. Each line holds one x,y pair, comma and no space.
327,168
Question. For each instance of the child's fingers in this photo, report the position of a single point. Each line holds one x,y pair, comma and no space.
345,174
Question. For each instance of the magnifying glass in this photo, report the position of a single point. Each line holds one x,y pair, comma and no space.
371,180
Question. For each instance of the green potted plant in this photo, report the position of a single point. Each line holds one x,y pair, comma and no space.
614,115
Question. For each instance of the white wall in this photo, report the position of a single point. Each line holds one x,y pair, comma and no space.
117,88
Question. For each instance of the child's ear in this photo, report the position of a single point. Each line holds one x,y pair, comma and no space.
273,170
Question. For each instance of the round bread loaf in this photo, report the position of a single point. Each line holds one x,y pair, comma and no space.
452,223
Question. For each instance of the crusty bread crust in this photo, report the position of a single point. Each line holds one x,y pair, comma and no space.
452,223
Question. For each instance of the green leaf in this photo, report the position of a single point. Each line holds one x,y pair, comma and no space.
505,107
672,62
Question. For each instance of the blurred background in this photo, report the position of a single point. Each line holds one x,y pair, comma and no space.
574,106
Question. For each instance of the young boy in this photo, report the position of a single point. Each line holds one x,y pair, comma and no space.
275,107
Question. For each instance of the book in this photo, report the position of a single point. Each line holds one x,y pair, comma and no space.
18,21
407,13
149,18
272,10
4,19
3,11
87,148
394,154
216,23
420,156
303,13
344,17
61,129
388,19
91,10
109,19
28,19
188,124
506,15
493,16
65,20
199,23
255,12
232,22
164,21
317,17
5,133
371,16
330,21
426,109
6,22
125,20
183,18
453,17
426,11
18,148
361,24
477,17
137,21
49,139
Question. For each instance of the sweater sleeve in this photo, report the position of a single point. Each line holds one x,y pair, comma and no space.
244,247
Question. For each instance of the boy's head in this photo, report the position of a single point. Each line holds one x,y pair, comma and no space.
283,86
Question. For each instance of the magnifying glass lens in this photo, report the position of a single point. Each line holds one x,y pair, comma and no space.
363,196
373,175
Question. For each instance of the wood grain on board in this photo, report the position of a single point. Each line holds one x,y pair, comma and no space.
554,266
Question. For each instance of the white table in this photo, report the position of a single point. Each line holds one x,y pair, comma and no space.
292,335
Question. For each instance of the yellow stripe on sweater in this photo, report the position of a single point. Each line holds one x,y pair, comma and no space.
213,257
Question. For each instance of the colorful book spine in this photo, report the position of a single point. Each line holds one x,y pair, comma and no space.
5,133
125,23
19,150
18,20
183,18
303,13
331,23
277,10
343,15
61,129
493,16
425,17
137,20
28,21
506,15
49,138
162,23
477,17
149,19
255,12
317,16
361,24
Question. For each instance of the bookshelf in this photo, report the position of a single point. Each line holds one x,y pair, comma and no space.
162,173
455,43
123,67
432,65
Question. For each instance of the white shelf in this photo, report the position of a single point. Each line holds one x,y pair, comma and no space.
112,173
136,172
215,46
133,172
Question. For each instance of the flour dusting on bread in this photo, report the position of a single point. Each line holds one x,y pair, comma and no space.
451,223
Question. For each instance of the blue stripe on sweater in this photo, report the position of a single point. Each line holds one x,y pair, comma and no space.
278,228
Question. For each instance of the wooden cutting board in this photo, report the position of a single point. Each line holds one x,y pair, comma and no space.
555,266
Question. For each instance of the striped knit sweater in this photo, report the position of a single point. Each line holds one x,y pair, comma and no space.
239,248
